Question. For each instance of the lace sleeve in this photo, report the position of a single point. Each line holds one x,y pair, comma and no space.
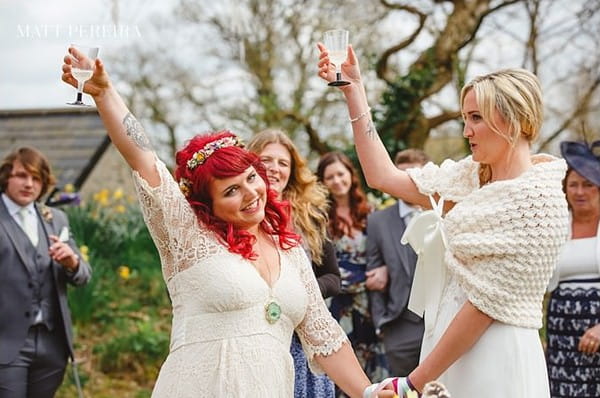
172,223
319,332
452,180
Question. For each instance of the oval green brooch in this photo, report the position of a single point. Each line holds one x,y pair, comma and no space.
272,312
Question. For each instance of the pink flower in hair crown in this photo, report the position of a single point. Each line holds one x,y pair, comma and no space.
200,156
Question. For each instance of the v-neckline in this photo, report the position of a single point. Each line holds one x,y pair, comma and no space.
271,287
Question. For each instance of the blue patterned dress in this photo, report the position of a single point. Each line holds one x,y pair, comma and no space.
306,383
573,308
351,307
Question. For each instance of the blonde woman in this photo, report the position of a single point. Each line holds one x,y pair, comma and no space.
500,219
293,181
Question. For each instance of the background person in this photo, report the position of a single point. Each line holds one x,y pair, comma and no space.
36,337
293,181
347,227
390,271
573,318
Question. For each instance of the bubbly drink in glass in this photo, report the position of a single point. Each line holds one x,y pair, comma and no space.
83,62
336,41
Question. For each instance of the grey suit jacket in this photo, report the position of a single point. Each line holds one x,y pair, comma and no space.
16,271
384,230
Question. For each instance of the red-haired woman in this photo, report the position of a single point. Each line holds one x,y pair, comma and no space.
239,281
347,227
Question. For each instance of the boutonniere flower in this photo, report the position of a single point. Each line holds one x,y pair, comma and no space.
46,213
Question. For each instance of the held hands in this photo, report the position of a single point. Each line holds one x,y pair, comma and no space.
392,387
62,253
590,341
350,69
96,85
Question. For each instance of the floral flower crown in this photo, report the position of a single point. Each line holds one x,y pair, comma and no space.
200,156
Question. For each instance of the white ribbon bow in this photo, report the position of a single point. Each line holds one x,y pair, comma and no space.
425,233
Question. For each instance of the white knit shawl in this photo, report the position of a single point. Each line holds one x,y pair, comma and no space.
503,239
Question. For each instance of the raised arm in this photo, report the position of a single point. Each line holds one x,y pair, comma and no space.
379,170
124,130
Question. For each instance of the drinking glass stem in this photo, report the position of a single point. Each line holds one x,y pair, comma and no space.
80,86
338,73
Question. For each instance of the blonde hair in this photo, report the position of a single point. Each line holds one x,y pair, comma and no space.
517,96
307,197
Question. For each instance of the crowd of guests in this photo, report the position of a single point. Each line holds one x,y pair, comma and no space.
286,282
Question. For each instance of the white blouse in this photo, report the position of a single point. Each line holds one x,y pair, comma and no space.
578,260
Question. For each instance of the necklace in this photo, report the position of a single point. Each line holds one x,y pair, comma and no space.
272,307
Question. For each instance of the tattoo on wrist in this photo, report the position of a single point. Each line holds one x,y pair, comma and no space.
136,132
371,132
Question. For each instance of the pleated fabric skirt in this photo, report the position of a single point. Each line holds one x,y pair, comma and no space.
573,308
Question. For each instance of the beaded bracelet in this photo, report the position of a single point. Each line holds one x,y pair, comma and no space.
365,113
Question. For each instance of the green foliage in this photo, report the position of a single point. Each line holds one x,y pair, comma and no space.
402,103
111,231
144,344
121,317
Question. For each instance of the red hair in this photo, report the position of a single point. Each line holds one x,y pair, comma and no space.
230,161
359,206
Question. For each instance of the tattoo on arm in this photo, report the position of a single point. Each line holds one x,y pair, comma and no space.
136,132
371,132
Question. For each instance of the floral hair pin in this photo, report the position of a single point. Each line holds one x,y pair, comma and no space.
200,156
185,186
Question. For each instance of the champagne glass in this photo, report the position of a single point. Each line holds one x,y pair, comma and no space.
82,69
336,41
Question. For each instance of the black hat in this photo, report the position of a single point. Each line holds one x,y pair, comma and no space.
582,158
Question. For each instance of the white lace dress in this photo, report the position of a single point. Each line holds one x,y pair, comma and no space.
221,342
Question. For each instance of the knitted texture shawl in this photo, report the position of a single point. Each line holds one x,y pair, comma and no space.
503,239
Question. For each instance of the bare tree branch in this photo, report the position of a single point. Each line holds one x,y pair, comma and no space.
382,64
580,109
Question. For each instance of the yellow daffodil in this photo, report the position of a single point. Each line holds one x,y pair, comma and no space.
84,250
69,188
124,272
118,194
102,197
120,209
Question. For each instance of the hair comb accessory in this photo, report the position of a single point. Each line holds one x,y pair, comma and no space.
200,156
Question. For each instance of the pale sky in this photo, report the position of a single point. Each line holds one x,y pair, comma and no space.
34,37
35,34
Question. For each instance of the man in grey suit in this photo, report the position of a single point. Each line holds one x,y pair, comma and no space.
390,271
38,257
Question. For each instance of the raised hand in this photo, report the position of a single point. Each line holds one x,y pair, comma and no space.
99,81
350,68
